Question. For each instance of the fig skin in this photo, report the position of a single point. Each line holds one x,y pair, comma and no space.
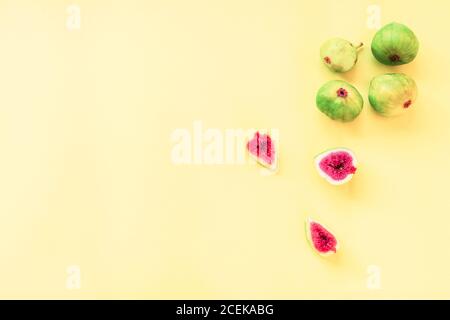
339,55
392,94
339,100
395,44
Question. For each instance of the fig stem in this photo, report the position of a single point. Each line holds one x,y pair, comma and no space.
359,46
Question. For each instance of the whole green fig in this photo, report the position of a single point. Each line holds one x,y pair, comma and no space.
395,44
392,94
339,100
339,55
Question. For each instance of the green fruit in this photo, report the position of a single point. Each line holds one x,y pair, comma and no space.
339,55
392,94
339,100
395,44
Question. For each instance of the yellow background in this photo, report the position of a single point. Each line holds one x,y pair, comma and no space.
86,176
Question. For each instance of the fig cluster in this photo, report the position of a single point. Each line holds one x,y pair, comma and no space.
390,94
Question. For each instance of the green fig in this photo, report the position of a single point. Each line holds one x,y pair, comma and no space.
339,55
392,94
395,44
339,100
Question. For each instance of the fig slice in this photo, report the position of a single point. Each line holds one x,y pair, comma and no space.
337,166
263,148
321,238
